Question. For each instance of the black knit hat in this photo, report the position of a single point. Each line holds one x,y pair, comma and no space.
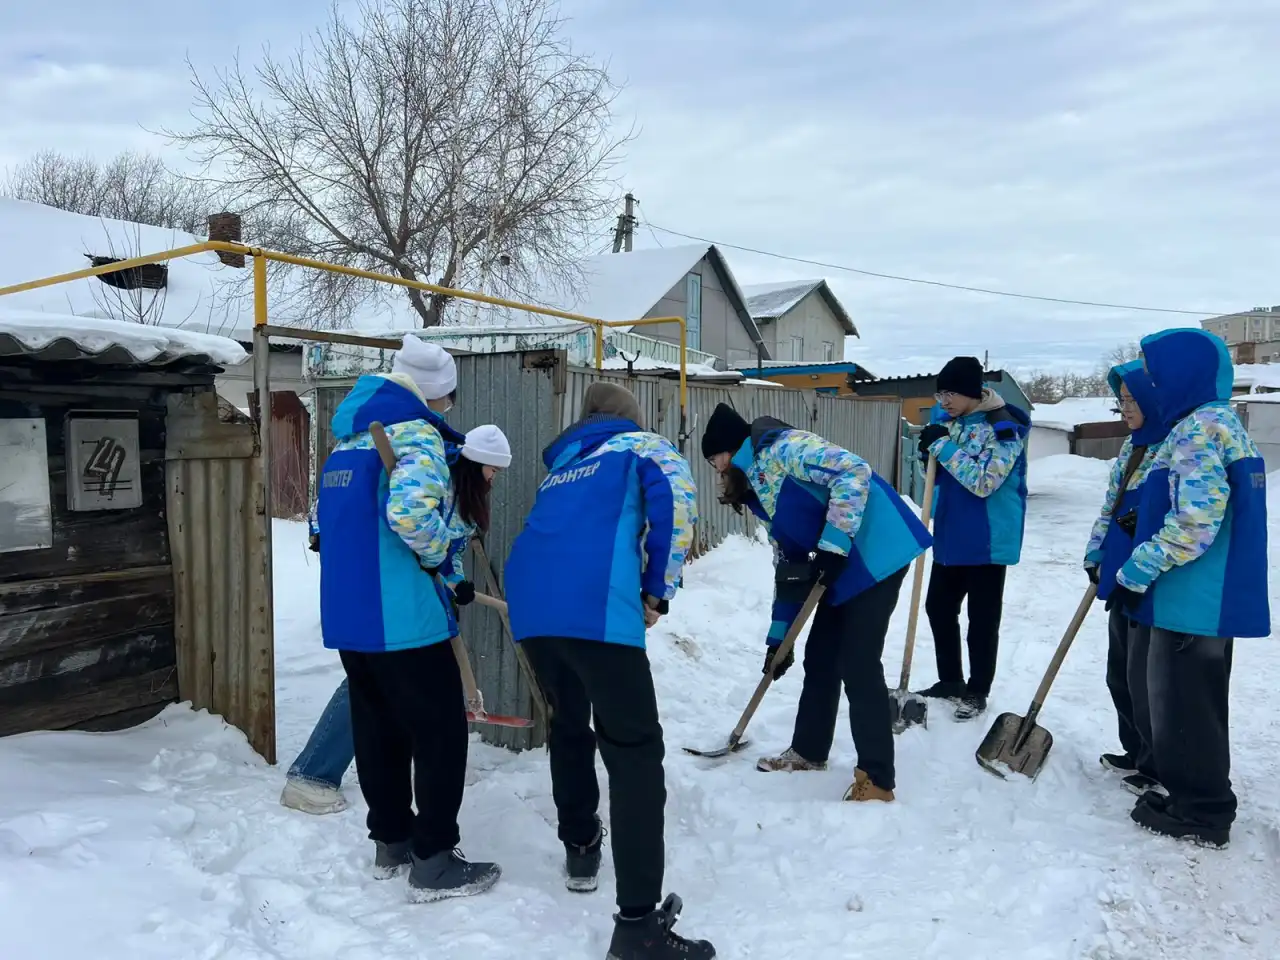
725,433
963,375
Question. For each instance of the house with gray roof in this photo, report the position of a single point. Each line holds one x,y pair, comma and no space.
800,321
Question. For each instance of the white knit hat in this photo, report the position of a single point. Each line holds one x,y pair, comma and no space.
487,445
428,365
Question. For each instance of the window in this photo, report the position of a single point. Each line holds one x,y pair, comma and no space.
693,311
797,348
828,351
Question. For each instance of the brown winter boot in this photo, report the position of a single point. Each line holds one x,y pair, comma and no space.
863,789
787,762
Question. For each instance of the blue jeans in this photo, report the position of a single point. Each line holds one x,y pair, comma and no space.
331,748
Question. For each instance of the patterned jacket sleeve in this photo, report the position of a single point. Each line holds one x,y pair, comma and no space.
1093,552
453,571
671,510
981,474
847,477
416,490
1198,476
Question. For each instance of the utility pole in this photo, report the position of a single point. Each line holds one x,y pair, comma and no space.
625,231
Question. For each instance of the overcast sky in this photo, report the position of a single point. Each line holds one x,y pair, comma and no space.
1108,150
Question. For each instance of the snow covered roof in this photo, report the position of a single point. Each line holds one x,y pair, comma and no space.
693,371
47,336
769,301
1070,413
1254,376
202,294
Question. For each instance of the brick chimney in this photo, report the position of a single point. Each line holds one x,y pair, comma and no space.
226,227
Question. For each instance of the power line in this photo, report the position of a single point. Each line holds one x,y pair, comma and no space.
949,286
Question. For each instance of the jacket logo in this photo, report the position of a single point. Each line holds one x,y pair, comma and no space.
1259,480
336,478
569,476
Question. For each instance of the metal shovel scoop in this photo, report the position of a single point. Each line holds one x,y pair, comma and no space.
1017,744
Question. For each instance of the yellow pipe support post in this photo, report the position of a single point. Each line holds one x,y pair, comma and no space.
684,354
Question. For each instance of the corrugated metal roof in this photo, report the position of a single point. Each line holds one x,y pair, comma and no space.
54,337
769,300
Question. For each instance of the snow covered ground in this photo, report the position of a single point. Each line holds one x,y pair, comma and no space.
167,842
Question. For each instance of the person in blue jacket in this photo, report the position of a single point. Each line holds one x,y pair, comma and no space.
597,563
980,510
820,499
383,607
1197,578
1110,544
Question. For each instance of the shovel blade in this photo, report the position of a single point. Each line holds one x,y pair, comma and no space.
1008,749
497,720
717,752
907,709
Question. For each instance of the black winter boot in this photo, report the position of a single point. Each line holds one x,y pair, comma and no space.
582,863
1119,762
1157,814
390,859
448,875
951,690
651,937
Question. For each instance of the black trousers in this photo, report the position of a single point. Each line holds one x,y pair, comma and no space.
1188,684
583,678
1127,681
409,723
844,646
984,588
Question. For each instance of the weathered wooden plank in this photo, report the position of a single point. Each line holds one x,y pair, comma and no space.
121,720
45,614
79,669
196,432
157,687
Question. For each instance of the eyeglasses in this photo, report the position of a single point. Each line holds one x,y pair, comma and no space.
1129,404
945,396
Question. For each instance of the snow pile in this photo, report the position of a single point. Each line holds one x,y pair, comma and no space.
37,332
1070,413
168,842
1257,376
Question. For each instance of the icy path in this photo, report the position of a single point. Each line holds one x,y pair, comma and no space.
168,842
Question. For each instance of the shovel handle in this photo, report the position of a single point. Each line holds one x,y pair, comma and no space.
784,648
917,582
1060,654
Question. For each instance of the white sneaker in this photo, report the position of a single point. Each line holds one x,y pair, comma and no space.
317,799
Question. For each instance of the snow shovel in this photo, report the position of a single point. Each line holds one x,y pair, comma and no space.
1017,744
906,709
476,712
735,741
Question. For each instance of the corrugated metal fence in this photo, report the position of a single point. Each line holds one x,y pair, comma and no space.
534,395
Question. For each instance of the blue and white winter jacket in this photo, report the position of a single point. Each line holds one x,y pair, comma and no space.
980,501
613,518
1109,545
377,533
814,495
1201,559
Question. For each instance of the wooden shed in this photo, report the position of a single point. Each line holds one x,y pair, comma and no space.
134,544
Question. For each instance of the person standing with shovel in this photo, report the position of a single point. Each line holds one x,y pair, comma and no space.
819,499
981,506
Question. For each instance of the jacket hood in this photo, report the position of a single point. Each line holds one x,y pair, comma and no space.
376,398
763,430
584,436
1188,369
1154,427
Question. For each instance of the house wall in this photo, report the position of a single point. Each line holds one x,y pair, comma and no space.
722,331
1234,328
839,382
812,320
1048,442
1263,423
87,625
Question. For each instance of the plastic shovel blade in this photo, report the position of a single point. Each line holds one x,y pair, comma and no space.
1009,749
724,751
907,709
497,720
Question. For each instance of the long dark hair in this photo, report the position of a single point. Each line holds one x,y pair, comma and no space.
735,489
471,490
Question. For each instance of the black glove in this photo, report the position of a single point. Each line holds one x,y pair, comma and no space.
1092,572
783,665
1124,598
313,543
931,435
828,566
464,593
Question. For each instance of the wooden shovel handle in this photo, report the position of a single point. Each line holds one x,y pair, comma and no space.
1064,645
917,582
784,648
493,602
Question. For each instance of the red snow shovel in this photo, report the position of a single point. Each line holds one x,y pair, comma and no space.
906,709
1017,744
476,712
735,741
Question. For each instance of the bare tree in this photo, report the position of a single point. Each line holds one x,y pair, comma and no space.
431,140
137,187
